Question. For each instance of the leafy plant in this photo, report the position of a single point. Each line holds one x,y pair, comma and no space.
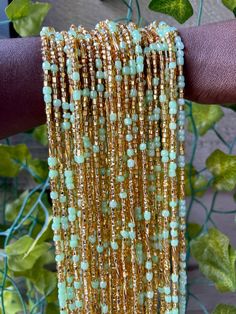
216,259
27,16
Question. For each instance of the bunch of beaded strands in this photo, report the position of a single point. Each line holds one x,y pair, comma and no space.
115,117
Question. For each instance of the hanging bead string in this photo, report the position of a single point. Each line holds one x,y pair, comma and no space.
115,116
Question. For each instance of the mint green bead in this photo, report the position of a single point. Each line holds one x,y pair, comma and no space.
71,218
75,259
113,204
124,234
132,63
56,102
172,125
162,98
84,265
139,59
118,78
114,245
146,50
66,125
130,152
133,70
95,148
93,94
140,67
78,303
62,198
59,257
127,121
99,248
95,284
118,65
86,92
173,224
53,173
46,65
122,45
103,284
54,68
123,195
174,233
104,308
168,298
68,173
79,159
56,237
172,65
172,155
113,116
47,98
72,306
172,165
175,299
133,92
164,159
99,75
120,178
98,63
129,137
142,146
148,265
66,115
100,88
101,120
164,153
47,90
149,276
147,215
153,46
138,49
165,213
173,203
155,81
54,195
77,94
135,117
136,36
112,26
150,294
75,76
174,242
174,277
130,163
165,234
126,70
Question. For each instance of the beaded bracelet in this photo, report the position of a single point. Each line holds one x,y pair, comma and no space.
114,100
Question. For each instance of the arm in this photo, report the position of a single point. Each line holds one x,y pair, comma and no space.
210,71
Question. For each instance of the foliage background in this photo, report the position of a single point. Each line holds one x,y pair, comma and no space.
27,268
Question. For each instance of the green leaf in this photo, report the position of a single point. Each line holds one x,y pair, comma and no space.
224,309
52,308
216,259
38,169
17,9
23,253
12,159
199,182
230,4
40,134
27,16
193,230
223,168
12,303
12,209
205,116
44,281
181,10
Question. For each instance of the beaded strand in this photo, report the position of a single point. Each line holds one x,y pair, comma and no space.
114,100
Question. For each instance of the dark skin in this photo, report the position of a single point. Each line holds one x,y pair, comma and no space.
210,72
